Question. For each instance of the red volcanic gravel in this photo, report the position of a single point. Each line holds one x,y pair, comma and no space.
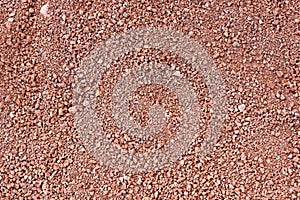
255,45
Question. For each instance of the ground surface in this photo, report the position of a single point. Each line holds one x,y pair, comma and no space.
255,46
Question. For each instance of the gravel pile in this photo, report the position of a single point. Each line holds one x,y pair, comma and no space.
253,46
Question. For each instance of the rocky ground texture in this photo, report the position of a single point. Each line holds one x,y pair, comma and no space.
255,46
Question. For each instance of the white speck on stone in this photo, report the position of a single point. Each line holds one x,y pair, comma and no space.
45,187
297,115
139,181
85,103
181,162
10,19
11,115
124,178
177,73
44,10
238,123
235,44
100,61
242,107
72,109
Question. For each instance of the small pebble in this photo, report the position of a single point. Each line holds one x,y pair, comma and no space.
241,107
235,44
